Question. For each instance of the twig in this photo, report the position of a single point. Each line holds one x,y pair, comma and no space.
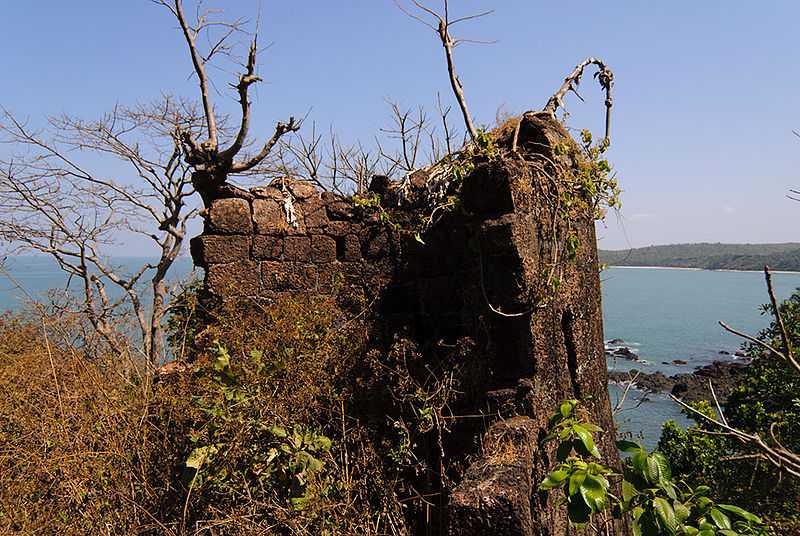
787,346
620,403
442,29
716,403
604,76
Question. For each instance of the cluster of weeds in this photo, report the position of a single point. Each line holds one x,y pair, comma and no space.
273,437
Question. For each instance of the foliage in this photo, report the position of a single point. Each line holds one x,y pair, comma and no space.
184,317
594,188
273,436
768,396
652,500
693,455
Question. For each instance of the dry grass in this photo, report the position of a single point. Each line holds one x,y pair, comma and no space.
76,452
91,443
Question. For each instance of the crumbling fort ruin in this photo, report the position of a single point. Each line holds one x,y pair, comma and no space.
494,272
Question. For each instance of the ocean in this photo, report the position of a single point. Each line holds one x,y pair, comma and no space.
662,314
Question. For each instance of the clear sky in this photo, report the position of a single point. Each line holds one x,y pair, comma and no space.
707,92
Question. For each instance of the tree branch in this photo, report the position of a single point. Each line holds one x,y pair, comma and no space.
442,29
190,35
245,81
604,76
280,130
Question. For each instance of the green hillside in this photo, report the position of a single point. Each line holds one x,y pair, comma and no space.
708,256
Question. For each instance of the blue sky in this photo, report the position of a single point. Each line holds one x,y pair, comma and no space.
706,92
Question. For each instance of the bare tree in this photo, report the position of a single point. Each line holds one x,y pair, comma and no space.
211,163
54,200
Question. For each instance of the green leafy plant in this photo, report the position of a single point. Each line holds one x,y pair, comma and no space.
766,400
653,502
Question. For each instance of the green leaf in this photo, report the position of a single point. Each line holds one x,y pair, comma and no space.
567,407
222,362
665,513
199,456
704,502
669,489
629,446
629,491
702,491
720,519
744,514
419,239
554,479
322,442
575,482
277,431
587,440
665,471
592,427
594,493
652,470
639,463
681,511
300,503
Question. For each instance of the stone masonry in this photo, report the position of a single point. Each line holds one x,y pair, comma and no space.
476,275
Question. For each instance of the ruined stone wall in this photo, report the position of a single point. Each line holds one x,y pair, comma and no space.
479,275
251,248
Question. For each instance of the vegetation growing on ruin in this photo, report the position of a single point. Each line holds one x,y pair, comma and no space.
282,422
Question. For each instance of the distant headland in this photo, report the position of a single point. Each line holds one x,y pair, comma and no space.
708,256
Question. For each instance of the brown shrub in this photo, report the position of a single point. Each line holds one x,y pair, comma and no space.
275,426
76,452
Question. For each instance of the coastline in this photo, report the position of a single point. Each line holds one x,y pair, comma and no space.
701,269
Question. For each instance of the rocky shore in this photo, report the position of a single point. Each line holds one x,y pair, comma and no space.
691,386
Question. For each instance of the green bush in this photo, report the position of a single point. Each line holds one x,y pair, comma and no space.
652,500
767,396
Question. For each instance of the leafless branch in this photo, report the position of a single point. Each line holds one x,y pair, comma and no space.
604,76
53,202
787,345
442,24
628,385
211,164
190,35
778,455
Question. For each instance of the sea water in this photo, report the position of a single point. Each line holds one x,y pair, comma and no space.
664,314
